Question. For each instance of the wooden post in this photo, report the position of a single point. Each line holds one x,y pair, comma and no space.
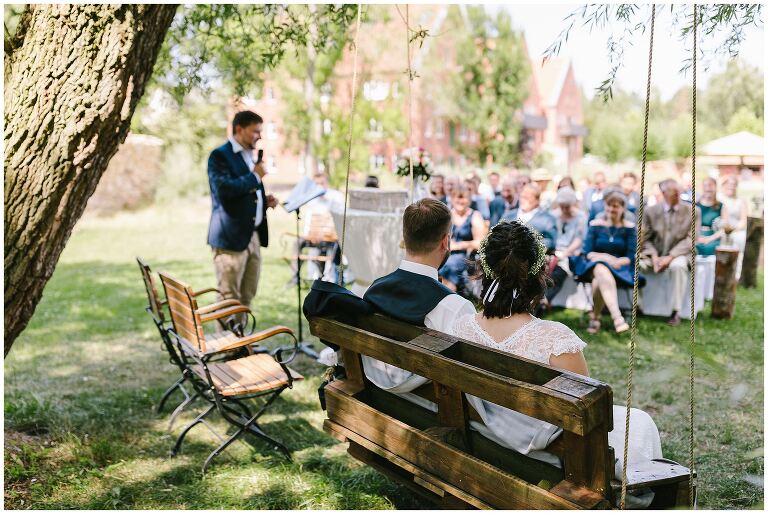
724,297
751,252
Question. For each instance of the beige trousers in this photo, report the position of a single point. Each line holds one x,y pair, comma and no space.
237,273
678,275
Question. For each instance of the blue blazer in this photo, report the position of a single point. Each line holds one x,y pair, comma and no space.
233,201
542,221
498,208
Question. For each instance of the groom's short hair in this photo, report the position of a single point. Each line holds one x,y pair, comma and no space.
425,224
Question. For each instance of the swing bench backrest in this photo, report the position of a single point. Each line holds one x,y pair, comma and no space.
437,454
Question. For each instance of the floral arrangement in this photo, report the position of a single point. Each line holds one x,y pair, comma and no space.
422,166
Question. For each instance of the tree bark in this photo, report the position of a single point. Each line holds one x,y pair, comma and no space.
751,257
72,83
724,297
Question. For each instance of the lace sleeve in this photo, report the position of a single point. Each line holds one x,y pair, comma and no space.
562,339
462,327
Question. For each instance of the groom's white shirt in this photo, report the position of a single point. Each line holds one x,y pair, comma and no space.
441,318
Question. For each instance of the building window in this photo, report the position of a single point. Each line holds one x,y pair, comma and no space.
440,129
375,161
270,94
325,94
375,128
327,126
463,133
429,128
271,130
395,90
375,90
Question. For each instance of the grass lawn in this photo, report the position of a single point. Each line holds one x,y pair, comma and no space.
82,380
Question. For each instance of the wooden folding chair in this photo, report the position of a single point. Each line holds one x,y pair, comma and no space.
156,312
226,384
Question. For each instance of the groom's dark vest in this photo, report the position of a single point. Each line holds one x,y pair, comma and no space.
406,296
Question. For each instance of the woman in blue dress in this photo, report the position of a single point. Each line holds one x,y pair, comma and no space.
467,230
608,260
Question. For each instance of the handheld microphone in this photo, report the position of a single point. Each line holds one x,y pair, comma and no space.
259,156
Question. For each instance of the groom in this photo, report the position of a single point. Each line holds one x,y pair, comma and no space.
412,293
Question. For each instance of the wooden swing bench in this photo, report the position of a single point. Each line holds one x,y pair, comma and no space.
437,455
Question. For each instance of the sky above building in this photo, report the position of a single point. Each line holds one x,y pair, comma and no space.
587,49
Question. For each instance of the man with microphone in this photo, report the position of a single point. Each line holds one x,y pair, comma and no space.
238,227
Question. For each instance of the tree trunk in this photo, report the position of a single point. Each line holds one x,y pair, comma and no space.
724,297
73,79
751,259
313,131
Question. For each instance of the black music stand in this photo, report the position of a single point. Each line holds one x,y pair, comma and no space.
302,193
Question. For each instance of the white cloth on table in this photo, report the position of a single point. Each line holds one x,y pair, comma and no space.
441,318
538,340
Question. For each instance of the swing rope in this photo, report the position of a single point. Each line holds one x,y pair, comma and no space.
340,277
410,101
692,265
693,270
638,248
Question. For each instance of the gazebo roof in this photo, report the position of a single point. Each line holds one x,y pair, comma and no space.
740,144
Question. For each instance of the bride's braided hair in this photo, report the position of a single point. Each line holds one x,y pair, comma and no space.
512,253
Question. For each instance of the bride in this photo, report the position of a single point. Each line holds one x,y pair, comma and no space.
514,280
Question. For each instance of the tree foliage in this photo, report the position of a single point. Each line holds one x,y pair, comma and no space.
731,102
210,45
720,25
490,85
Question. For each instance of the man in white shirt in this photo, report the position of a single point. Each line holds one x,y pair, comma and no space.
238,227
412,293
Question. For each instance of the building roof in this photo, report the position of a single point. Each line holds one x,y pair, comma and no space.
740,144
550,77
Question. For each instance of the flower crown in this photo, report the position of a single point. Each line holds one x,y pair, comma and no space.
541,255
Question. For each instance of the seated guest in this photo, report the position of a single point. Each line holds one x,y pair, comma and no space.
412,293
531,214
628,185
478,202
513,281
451,182
711,210
437,187
521,180
372,181
467,230
542,178
491,189
566,181
608,260
571,226
505,202
667,245
597,211
319,210
594,192
736,217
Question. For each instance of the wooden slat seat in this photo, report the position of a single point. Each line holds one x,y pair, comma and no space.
453,465
247,375
226,384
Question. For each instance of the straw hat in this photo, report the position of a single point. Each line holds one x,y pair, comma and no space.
540,174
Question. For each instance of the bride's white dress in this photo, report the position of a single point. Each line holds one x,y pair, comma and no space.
538,340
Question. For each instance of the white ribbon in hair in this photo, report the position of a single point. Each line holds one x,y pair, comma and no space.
490,294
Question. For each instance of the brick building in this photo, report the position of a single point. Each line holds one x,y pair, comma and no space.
552,115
